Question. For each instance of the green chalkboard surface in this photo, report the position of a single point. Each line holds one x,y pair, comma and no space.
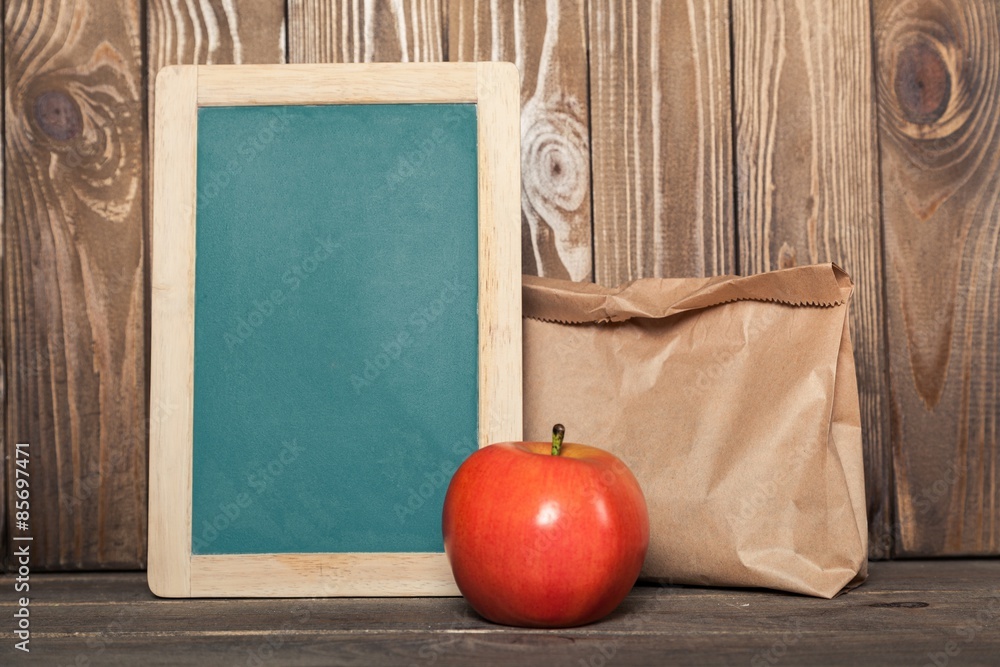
335,343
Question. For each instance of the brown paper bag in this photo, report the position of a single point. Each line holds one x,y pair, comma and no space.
735,403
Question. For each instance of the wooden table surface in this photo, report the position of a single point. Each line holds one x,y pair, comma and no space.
939,613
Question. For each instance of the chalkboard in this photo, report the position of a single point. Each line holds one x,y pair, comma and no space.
336,320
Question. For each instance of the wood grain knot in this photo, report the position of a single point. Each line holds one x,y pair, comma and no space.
58,115
900,605
555,160
923,83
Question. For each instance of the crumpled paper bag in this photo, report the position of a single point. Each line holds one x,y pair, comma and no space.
733,400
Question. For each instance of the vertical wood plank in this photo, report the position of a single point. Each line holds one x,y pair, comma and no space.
807,181
214,32
548,43
74,276
662,139
365,31
938,76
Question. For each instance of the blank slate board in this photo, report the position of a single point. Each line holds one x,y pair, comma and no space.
336,320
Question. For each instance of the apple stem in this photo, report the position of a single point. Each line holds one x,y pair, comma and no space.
558,431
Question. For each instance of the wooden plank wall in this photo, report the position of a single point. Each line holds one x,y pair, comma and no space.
659,138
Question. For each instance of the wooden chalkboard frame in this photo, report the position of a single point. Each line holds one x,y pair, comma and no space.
173,571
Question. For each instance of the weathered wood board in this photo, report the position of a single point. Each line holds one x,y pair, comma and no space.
74,270
910,612
548,43
939,120
366,31
662,139
214,32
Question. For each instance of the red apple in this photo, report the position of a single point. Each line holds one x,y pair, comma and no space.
544,534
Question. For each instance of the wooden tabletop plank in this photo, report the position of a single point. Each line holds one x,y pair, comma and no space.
521,650
664,611
966,575
907,613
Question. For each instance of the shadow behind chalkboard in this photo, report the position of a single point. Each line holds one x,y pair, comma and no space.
336,348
